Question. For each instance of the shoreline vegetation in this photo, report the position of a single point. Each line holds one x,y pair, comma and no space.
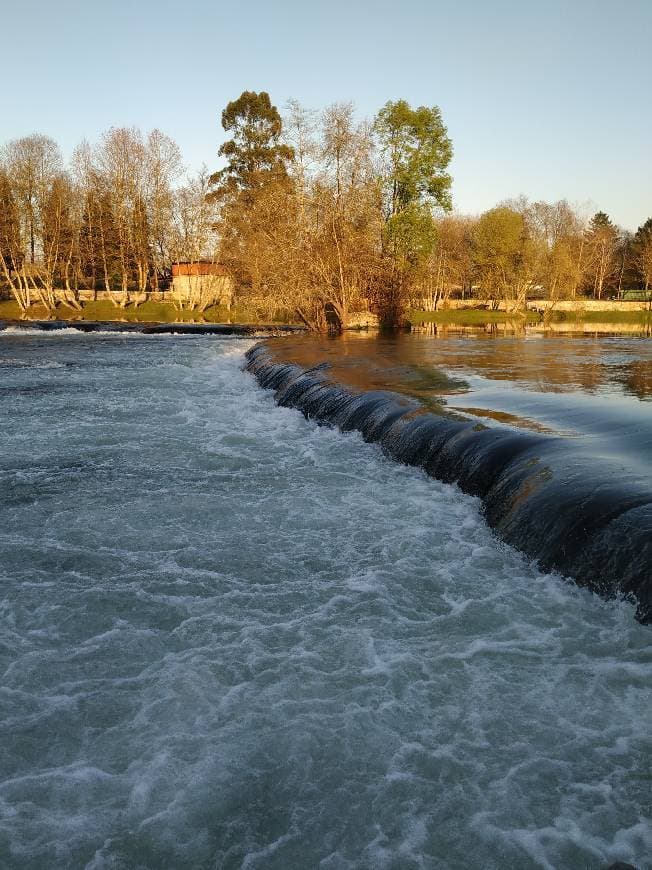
315,217
479,316
166,313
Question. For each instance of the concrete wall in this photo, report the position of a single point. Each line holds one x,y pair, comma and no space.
116,296
587,305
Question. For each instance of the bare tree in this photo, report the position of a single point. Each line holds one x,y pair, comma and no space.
193,241
559,231
11,248
120,159
602,242
32,162
163,166
449,267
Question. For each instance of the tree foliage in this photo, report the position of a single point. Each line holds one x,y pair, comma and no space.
255,152
641,251
417,151
312,212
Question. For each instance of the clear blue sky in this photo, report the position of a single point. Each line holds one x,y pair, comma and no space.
550,99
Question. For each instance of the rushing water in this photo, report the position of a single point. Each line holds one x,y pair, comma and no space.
231,638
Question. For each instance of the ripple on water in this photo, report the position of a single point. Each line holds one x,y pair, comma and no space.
232,638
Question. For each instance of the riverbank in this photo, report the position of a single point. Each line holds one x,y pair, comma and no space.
165,313
480,316
148,312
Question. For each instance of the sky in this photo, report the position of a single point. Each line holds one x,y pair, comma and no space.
549,99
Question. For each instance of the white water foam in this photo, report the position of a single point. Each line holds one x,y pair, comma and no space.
63,332
232,638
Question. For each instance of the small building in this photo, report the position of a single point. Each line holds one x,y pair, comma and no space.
202,283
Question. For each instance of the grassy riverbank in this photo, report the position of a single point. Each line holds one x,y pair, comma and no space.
165,312
470,316
480,316
148,312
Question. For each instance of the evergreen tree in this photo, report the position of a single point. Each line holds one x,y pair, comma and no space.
255,152
641,247
601,222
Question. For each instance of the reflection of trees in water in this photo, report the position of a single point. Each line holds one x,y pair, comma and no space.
636,378
546,364
435,360
444,330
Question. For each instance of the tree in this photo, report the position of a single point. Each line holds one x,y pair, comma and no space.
99,246
11,249
641,246
417,151
255,152
500,252
32,162
194,238
558,232
256,198
163,166
450,265
343,253
602,240
61,224
120,159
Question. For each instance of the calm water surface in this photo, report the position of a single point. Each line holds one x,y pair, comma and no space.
594,388
231,638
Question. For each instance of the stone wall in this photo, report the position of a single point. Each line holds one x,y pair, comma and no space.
587,305
362,320
201,287
545,304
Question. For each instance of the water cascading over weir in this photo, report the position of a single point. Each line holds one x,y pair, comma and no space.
541,494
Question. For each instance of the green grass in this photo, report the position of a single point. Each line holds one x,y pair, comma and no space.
165,312
470,316
9,310
154,312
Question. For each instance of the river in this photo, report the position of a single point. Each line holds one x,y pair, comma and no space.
231,637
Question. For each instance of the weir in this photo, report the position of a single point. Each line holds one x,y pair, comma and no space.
144,328
540,493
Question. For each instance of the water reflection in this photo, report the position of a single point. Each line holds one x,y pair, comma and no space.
519,327
569,384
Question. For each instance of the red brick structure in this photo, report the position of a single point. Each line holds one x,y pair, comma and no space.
201,267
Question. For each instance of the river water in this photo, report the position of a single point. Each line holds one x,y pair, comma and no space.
232,638
595,388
